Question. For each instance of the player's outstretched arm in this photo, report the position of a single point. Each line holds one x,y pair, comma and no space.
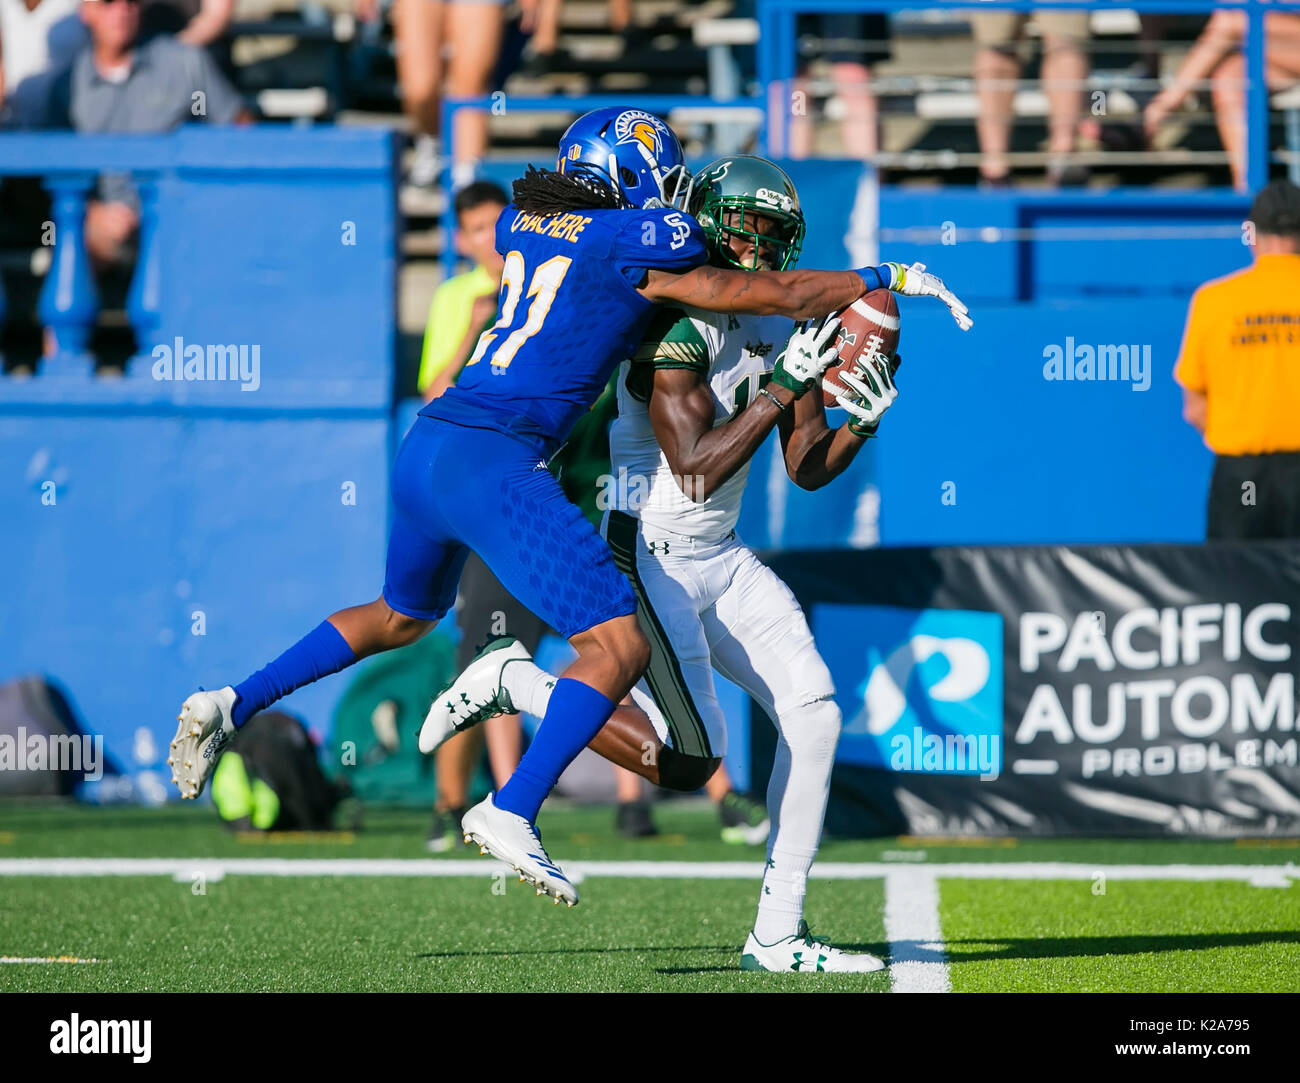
801,295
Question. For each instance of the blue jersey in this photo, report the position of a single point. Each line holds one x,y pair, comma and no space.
568,314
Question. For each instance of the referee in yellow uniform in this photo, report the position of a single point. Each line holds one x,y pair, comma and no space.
1240,373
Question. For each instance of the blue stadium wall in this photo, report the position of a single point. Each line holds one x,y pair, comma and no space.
187,508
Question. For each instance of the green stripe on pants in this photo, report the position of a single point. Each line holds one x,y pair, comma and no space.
664,676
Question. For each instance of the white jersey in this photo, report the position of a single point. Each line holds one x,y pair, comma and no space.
738,353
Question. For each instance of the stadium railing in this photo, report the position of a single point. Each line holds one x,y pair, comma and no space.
233,223
69,164
776,57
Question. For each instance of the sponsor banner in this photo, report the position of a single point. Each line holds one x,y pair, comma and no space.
1053,690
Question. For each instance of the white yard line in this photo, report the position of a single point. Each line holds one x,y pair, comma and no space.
917,963
1276,875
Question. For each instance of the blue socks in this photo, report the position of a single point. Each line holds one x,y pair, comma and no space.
573,717
319,653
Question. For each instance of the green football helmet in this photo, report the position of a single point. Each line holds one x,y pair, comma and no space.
727,196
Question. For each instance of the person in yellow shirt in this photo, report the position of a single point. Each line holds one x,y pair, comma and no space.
1240,373
463,304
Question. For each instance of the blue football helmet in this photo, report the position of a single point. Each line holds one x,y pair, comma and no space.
630,151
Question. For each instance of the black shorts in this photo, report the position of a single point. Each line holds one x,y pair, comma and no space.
1255,496
848,39
485,608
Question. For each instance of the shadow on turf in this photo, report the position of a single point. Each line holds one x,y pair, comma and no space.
572,951
875,949
730,949
695,969
1047,947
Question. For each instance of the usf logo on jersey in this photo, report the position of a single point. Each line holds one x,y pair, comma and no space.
759,349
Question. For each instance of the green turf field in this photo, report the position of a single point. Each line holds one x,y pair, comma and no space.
197,922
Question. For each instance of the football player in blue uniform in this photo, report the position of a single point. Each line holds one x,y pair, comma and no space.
589,249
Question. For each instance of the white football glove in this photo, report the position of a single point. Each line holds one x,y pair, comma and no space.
916,281
807,355
867,392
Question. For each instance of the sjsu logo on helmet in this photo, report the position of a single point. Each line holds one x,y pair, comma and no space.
637,126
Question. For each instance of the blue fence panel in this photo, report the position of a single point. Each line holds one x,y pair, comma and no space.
163,534
1032,460
1026,246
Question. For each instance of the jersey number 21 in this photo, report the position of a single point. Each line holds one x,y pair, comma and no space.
543,287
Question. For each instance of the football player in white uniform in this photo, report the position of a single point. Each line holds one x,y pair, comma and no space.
701,394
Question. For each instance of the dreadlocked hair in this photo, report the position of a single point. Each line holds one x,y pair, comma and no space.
544,191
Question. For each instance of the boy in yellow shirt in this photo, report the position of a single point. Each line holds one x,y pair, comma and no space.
463,304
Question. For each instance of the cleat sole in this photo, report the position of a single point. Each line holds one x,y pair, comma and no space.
524,878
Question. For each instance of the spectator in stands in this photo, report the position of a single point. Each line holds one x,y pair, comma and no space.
1240,373
38,39
119,83
852,43
194,22
473,30
463,305
998,36
540,19
1217,56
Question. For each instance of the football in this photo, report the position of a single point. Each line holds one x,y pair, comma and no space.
869,323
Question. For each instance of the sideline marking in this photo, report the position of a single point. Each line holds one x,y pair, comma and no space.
917,962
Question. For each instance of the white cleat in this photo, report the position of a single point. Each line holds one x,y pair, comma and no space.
204,729
805,955
514,840
475,695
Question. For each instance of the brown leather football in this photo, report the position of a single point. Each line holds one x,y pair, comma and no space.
869,323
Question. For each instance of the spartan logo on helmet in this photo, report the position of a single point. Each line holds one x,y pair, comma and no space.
637,126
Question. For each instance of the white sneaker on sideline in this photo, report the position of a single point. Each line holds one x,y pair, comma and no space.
804,954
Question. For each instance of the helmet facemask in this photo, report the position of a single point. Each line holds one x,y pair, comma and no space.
749,204
774,238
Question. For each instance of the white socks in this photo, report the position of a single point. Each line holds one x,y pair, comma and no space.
796,802
780,904
528,686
